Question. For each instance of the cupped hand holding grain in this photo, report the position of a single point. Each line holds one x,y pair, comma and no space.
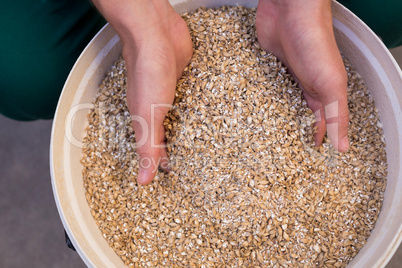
300,34
156,48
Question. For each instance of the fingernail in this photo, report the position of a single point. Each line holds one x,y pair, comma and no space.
167,169
344,144
165,165
143,176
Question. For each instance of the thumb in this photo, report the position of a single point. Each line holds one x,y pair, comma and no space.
147,150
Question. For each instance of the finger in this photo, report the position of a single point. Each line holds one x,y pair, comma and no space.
149,105
164,160
335,103
318,110
337,118
148,164
148,155
314,104
151,147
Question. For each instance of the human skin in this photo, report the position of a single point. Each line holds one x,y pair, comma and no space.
300,34
157,47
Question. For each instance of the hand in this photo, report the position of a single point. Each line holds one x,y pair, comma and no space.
300,34
156,47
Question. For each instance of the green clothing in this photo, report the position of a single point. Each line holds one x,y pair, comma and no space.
41,40
383,17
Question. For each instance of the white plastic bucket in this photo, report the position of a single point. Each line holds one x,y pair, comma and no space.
357,42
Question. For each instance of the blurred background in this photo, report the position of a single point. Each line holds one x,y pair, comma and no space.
31,232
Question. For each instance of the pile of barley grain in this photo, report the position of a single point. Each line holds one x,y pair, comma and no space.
247,187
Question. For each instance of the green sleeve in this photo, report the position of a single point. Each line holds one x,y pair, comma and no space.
384,17
40,42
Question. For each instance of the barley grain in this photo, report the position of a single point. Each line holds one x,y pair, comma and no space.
247,187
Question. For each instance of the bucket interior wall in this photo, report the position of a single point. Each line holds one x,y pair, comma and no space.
358,44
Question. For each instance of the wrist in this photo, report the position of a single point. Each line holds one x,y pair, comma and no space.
134,19
289,9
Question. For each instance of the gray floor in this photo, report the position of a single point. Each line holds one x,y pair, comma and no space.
31,233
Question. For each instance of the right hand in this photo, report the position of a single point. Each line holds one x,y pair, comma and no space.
156,47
